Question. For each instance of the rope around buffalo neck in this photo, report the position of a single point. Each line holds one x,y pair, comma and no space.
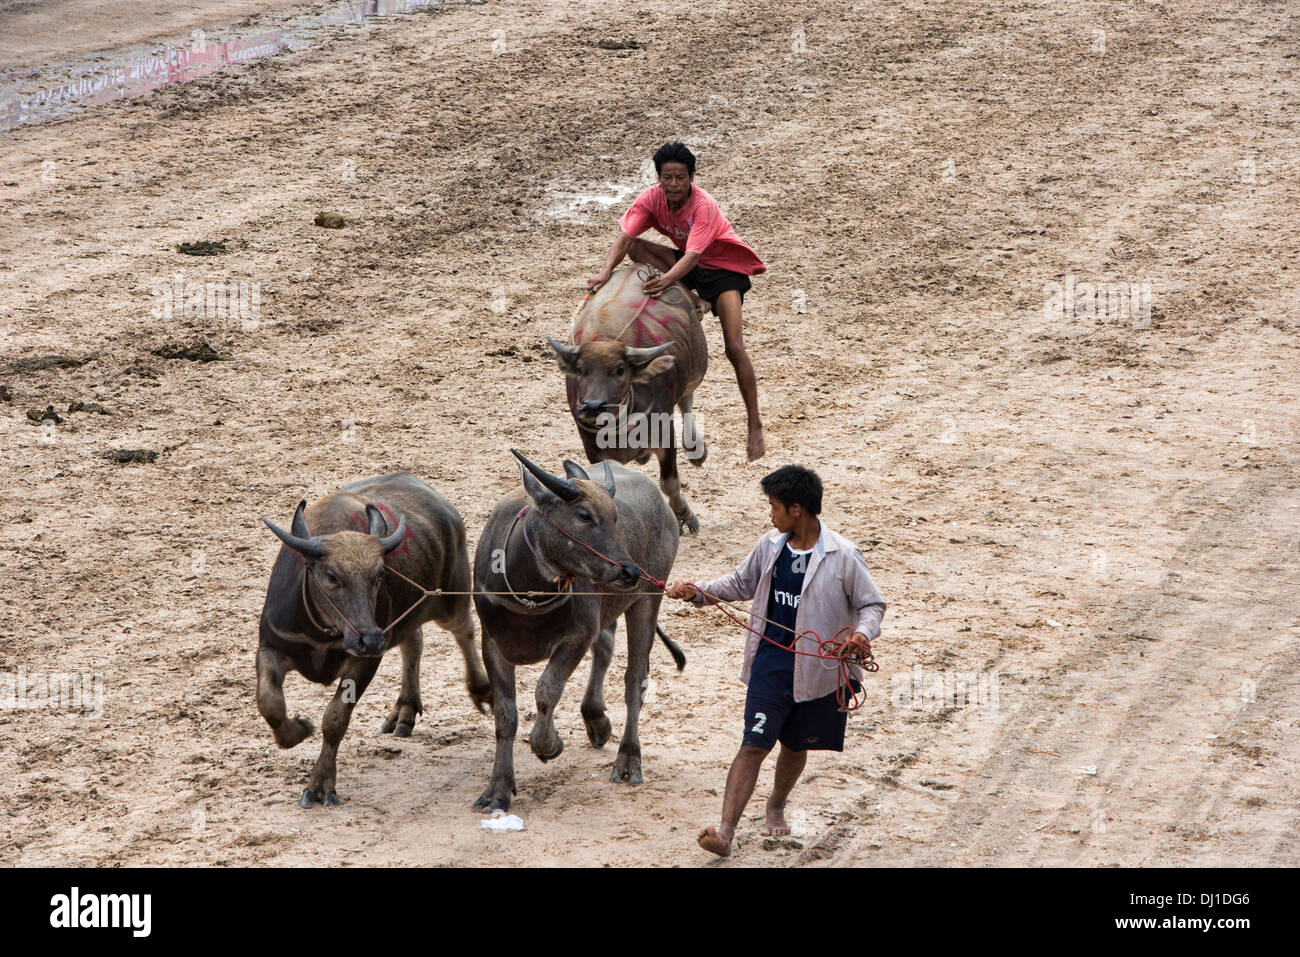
563,593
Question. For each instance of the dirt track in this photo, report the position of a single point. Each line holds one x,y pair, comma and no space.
1101,514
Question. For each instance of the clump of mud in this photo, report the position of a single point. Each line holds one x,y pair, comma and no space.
88,407
43,415
328,220
202,248
198,351
40,363
131,456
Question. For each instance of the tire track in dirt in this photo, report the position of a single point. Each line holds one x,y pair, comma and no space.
1161,700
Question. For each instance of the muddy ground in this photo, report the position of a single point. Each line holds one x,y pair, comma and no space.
1099,515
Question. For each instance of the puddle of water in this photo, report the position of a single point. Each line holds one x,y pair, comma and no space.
580,207
140,70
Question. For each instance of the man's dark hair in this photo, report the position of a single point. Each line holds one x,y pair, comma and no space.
674,152
795,485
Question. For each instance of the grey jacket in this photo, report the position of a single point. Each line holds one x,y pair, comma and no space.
837,592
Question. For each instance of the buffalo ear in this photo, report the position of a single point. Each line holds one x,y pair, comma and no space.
573,470
538,492
649,362
656,367
567,356
378,525
299,524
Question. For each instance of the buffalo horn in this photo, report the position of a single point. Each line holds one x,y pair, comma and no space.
641,357
561,487
566,352
392,541
375,521
309,547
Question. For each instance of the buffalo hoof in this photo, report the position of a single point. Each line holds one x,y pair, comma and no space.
627,767
309,796
598,730
481,695
489,803
689,522
559,749
696,459
403,730
546,750
293,731
619,775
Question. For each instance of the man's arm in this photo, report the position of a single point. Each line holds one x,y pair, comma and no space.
864,598
654,287
739,585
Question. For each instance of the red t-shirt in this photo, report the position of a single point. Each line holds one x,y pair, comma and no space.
698,227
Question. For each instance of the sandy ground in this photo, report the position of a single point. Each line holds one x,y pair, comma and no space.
1098,515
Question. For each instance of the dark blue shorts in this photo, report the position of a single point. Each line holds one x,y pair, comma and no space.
712,283
816,725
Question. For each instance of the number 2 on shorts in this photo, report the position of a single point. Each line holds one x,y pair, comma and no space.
758,725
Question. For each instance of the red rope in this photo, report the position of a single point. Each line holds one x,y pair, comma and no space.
828,649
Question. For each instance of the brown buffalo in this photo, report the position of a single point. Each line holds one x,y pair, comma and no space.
632,359
334,606
600,528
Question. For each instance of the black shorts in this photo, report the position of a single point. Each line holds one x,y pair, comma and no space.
712,283
800,726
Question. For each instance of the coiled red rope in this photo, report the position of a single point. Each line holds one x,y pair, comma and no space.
837,648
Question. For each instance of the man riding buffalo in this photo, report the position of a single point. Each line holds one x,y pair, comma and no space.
707,256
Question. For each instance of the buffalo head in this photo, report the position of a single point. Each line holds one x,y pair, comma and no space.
346,568
578,520
606,370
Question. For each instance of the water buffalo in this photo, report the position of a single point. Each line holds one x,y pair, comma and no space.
333,599
553,529
632,359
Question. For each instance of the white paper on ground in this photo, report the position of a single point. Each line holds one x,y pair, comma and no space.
507,823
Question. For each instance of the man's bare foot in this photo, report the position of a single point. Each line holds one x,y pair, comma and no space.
756,447
775,825
711,841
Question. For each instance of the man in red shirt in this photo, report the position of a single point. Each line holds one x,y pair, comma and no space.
708,257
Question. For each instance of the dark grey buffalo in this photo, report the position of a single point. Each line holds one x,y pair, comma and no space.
596,535
334,603
632,359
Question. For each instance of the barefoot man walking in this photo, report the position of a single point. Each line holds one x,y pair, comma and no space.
801,578
708,258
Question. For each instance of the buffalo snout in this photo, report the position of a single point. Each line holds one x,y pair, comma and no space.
369,644
629,574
